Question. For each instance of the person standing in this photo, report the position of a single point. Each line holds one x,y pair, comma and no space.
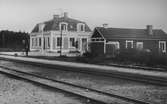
26,46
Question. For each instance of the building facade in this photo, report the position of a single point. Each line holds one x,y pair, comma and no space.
109,40
60,34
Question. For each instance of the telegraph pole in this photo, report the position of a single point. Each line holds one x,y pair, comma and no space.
61,36
42,37
42,42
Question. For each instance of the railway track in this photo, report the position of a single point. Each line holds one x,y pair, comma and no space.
158,81
155,80
137,78
88,93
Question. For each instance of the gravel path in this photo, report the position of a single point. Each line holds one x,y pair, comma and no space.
14,91
145,92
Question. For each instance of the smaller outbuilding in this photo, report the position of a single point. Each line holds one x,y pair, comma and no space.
108,41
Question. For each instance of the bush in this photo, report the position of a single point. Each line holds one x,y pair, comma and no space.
141,57
15,54
63,56
76,51
157,59
126,55
88,55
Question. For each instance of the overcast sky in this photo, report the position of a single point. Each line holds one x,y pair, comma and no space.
24,14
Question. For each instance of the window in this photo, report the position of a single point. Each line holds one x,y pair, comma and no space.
81,27
36,41
41,27
39,41
63,26
48,45
33,42
162,46
139,45
116,44
59,42
129,44
72,42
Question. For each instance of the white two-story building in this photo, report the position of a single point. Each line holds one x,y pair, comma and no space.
60,34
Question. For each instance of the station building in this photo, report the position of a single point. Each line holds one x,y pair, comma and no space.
61,33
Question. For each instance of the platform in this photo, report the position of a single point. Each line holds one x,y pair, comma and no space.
83,66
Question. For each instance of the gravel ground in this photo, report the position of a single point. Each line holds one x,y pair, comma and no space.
14,91
144,92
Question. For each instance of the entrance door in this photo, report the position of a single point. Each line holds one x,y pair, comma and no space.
84,45
110,49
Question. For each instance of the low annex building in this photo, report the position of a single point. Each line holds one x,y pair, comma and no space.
106,40
60,34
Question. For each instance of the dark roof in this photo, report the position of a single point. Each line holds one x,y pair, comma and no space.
120,33
54,24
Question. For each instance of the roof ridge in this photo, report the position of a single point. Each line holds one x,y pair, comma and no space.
130,32
127,28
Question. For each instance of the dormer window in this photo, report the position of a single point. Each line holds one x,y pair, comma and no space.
63,26
41,27
81,27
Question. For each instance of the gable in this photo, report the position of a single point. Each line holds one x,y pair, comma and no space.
96,34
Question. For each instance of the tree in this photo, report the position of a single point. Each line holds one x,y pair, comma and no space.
13,40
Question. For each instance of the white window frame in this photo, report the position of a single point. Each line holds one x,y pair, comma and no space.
62,42
163,42
129,41
74,42
41,27
36,42
33,41
79,27
66,26
48,42
139,43
114,43
40,41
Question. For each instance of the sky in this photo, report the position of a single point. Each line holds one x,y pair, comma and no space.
23,15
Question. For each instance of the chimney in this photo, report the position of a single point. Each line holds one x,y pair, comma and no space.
150,29
105,25
65,15
56,16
